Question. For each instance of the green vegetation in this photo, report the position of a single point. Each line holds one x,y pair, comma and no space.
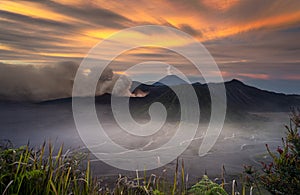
206,187
282,174
28,171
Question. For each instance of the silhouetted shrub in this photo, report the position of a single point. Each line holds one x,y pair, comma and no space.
282,175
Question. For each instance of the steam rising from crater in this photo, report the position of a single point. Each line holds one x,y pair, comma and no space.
40,83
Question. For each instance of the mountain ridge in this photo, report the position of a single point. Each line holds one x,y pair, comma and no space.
239,97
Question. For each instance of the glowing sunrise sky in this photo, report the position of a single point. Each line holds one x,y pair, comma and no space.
252,40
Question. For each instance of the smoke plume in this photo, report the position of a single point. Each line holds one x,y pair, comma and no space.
40,83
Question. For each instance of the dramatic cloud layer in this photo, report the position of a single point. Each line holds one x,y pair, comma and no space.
252,40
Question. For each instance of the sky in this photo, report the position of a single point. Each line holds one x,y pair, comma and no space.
251,40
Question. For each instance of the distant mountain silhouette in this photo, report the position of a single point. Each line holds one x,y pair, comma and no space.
250,98
241,99
170,80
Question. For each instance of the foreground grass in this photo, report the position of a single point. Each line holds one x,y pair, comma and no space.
26,170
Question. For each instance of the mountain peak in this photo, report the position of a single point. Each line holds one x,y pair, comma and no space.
235,81
170,80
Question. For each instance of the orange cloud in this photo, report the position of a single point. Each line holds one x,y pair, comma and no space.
254,76
176,14
100,33
120,72
5,47
68,55
273,21
226,74
220,5
33,9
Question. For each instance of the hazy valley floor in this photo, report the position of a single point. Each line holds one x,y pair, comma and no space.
239,143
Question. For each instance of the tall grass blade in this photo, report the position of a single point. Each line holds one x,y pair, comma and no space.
175,179
8,185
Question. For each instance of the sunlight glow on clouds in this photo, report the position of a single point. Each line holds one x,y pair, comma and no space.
220,5
33,9
243,36
254,76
